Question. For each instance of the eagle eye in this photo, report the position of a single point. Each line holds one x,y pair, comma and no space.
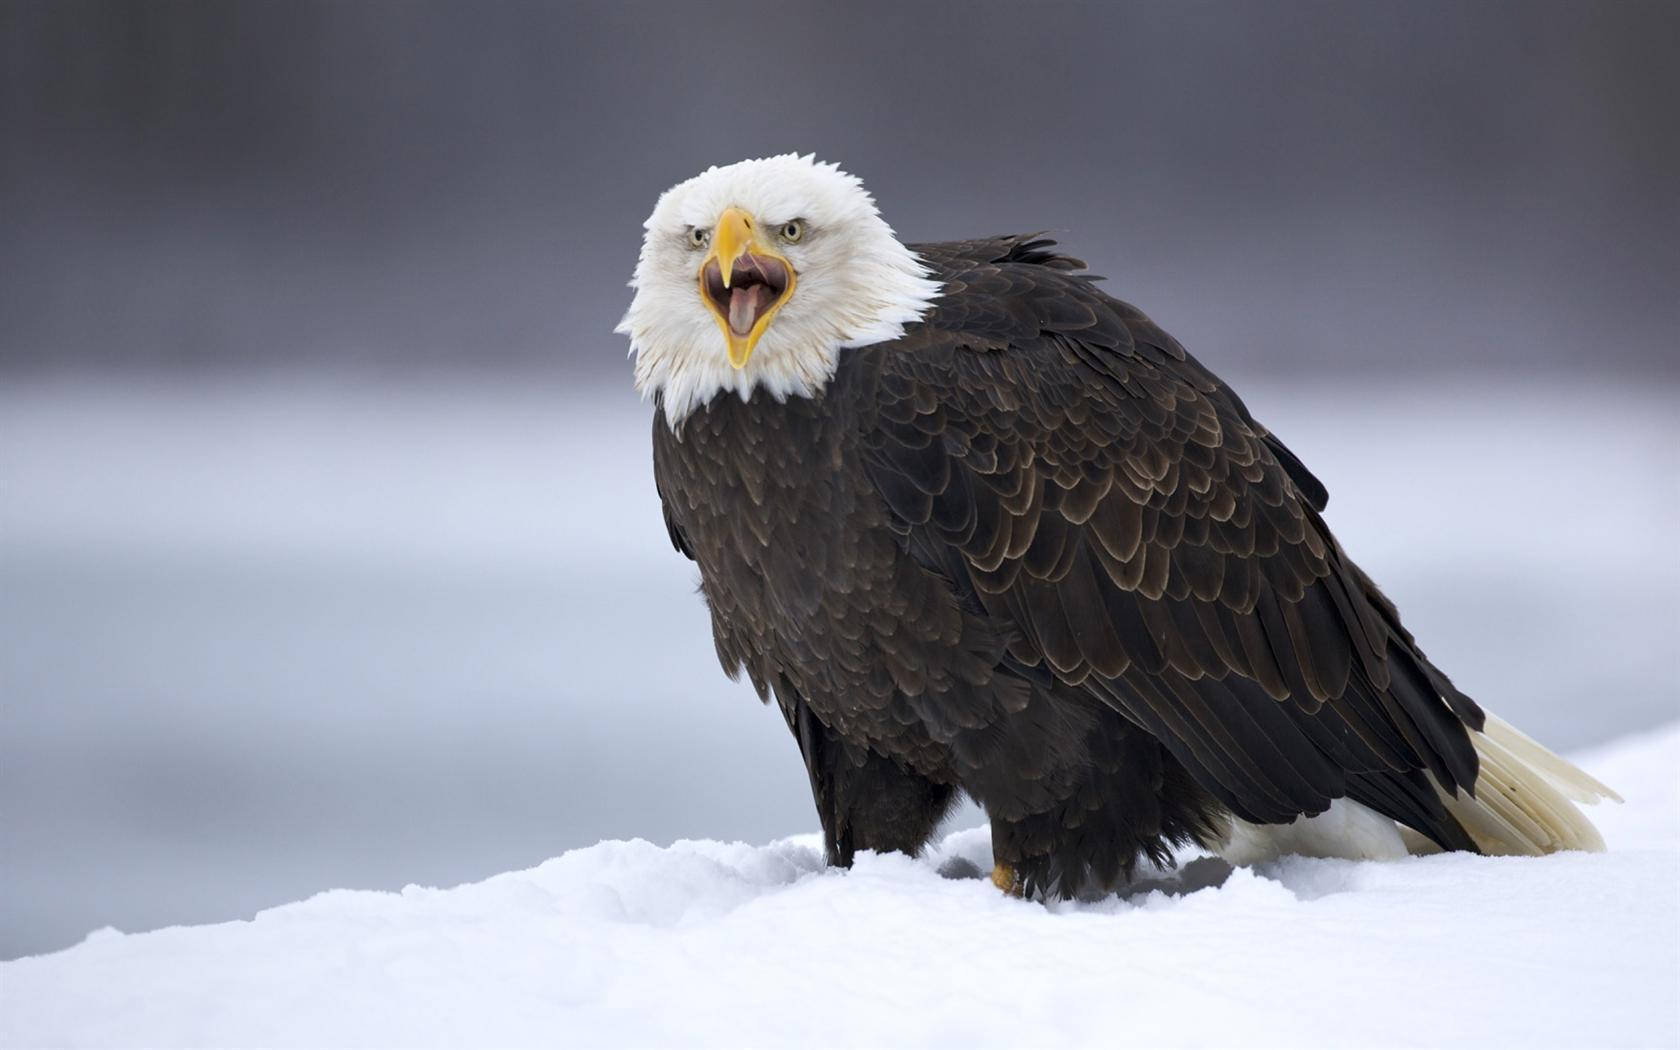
699,236
792,230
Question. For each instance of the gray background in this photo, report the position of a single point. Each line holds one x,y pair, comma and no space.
328,548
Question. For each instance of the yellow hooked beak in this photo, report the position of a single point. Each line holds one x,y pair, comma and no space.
743,282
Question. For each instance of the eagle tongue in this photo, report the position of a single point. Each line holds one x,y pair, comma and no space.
745,304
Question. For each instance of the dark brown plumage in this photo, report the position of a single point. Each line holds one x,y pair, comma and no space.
1035,552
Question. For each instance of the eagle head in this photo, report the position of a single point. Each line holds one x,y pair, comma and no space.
759,274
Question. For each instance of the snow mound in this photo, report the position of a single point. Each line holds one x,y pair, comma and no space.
705,943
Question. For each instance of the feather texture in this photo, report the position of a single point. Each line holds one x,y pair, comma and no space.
1033,541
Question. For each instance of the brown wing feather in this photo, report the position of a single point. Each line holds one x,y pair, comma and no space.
1105,494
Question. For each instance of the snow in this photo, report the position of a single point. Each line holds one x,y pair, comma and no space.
707,943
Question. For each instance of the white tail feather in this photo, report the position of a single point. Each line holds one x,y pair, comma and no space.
1572,782
1524,805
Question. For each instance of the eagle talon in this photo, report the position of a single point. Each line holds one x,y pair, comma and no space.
1005,878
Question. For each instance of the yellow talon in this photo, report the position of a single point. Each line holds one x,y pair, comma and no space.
1005,879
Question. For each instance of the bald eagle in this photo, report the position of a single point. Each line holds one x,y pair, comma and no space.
979,528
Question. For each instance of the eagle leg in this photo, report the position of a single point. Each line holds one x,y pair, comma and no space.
865,800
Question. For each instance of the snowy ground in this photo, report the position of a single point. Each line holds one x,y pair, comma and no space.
705,943
264,637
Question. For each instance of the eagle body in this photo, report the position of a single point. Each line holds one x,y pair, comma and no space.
1028,549
899,689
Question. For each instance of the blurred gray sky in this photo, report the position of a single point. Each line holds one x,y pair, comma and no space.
1283,185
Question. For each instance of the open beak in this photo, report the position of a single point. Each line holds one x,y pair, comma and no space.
743,283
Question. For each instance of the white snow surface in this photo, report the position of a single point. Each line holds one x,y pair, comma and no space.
708,943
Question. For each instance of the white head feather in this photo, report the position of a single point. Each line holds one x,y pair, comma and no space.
856,284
